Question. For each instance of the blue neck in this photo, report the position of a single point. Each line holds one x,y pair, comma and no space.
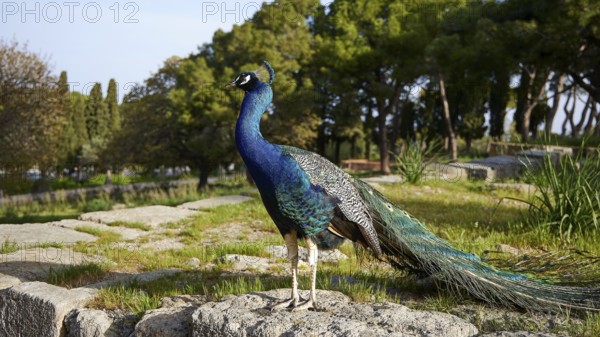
253,148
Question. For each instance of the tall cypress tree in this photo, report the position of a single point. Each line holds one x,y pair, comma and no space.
96,115
77,106
67,137
112,106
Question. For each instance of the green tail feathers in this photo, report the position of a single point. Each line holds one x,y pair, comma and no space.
407,244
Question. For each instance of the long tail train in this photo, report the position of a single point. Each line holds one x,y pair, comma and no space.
408,244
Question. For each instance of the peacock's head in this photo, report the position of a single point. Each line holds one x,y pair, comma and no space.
245,81
248,80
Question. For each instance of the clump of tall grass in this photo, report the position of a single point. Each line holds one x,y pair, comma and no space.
412,162
567,202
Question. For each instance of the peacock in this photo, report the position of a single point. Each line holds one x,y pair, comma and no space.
306,196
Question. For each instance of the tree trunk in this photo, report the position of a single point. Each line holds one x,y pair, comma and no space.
498,100
395,132
559,85
531,103
566,111
468,143
577,128
321,141
203,177
384,157
338,146
452,141
588,130
353,147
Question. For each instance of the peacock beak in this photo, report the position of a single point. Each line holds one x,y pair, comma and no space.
230,84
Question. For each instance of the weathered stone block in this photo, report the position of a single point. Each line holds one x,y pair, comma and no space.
38,309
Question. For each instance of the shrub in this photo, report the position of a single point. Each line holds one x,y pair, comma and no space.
567,201
412,162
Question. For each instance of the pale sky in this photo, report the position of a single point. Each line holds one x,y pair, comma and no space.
95,41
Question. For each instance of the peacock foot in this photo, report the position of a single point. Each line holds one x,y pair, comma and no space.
291,303
310,304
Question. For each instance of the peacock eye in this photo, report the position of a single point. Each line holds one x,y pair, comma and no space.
246,79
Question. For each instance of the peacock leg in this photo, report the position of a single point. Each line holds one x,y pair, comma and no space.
291,242
313,254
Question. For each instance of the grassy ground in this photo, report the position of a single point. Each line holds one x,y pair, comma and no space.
470,215
61,208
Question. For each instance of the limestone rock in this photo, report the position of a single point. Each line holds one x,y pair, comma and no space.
214,202
248,315
126,233
89,323
38,309
193,262
165,322
246,262
7,281
99,323
26,235
151,215
183,300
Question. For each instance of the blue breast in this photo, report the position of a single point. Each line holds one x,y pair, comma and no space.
290,198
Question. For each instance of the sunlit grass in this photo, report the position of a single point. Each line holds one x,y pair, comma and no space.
103,236
8,247
129,224
77,275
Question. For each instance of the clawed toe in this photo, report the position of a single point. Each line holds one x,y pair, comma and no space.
310,304
292,302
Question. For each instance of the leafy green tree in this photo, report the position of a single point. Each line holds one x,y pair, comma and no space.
280,33
149,130
205,125
367,40
32,117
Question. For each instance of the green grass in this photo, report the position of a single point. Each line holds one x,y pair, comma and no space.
568,202
8,247
129,224
251,213
589,327
48,209
77,275
139,297
103,236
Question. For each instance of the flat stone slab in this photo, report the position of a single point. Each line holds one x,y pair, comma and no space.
164,244
249,315
7,281
31,233
141,277
126,233
34,263
38,309
214,202
150,215
489,169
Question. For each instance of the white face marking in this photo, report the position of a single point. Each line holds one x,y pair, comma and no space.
246,79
